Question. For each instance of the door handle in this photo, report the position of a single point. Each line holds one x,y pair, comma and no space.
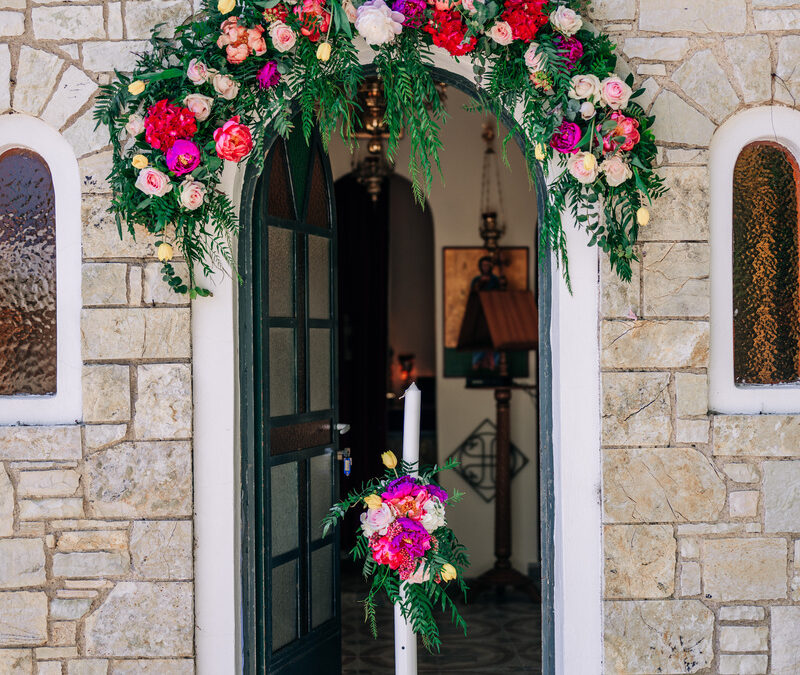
342,429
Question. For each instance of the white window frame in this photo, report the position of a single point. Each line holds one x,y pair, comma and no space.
769,123
65,406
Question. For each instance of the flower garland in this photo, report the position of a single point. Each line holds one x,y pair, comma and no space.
227,82
404,541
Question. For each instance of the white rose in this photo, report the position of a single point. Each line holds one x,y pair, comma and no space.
197,71
616,171
576,165
587,110
501,33
584,87
153,182
566,21
192,194
135,125
433,517
200,105
225,86
377,23
377,520
535,62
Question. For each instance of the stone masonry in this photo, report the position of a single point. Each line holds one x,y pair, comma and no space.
701,511
96,541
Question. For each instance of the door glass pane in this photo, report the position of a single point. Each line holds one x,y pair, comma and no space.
27,275
320,492
320,368
284,508
321,585
281,371
766,296
319,293
281,276
299,157
284,604
279,202
318,196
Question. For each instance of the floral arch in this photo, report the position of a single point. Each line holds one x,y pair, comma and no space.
225,83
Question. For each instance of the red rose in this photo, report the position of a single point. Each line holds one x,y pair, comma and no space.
525,18
449,30
166,123
234,141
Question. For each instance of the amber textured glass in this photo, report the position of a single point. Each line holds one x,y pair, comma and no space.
279,200
766,289
318,196
27,275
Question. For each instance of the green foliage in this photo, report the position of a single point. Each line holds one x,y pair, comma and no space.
324,93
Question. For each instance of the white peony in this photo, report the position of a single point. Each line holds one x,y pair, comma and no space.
377,520
566,21
377,23
433,518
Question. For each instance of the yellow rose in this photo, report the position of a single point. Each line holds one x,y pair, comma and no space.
324,51
225,6
164,252
539,152
448,572
643,216
139,161
373,502
389,460
135,88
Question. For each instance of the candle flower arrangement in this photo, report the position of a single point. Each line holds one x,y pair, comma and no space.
405,545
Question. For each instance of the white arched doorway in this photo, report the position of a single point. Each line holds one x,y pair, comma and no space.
574,482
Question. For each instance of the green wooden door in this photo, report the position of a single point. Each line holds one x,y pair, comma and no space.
289,406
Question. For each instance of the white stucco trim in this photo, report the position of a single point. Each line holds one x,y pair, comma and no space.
781,125
65,406
576,439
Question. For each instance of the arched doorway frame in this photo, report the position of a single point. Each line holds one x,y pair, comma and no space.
570,473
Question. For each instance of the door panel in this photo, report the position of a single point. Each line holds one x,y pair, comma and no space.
289,406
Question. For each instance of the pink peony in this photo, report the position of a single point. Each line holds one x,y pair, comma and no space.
233,140
255,40
627,128
153,182
566,138
183,157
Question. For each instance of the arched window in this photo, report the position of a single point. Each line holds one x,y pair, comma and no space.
28,351
755,263
40,275
766,293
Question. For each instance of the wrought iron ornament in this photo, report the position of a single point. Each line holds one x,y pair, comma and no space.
477,457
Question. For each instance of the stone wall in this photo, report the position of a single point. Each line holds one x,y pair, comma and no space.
701,512
96,541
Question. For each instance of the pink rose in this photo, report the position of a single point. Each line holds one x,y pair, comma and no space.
615,93
153,182
576,165
225,86
283,37
192,194
197,71
500,32
420,575
535,62
135,125
377,520
615,170
233,140
200,105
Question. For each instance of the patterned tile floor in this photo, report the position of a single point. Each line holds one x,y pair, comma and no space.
503,637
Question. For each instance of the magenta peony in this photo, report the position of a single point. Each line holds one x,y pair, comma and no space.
571,49
183,157
268,76
413,12
566,138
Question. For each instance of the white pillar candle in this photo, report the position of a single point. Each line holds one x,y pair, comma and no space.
405,642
